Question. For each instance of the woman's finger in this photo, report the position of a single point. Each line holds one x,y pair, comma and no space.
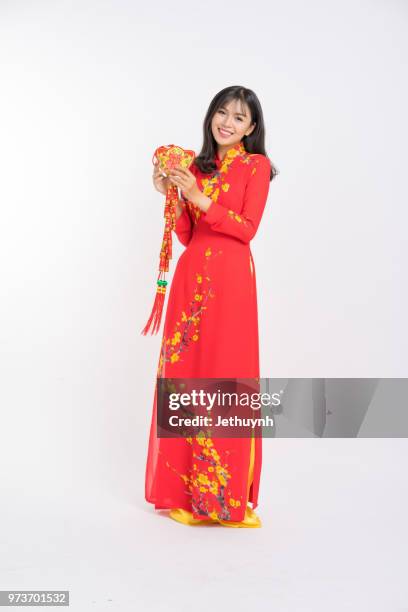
180,170
158,173
180,181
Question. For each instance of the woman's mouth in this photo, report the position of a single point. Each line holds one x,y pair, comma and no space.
224,133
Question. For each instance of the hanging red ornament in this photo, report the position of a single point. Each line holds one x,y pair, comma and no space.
169,157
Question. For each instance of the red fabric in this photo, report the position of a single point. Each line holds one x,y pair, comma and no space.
211,331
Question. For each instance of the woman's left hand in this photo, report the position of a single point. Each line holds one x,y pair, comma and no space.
186,181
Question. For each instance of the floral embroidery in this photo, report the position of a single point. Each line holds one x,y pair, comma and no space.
211,186
207,480
188,327
238,218
232,214
195,211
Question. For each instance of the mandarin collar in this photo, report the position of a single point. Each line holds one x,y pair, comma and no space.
239,146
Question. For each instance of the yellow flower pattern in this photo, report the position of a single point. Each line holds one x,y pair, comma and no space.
188,327
211,186
236,217
207,481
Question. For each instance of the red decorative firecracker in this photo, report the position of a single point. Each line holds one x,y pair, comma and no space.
169,157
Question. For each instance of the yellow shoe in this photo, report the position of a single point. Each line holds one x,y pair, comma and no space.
251,519
187,518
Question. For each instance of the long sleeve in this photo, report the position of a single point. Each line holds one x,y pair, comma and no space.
184,227
244,225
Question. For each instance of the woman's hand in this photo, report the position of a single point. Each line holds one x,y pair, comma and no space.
186,181
161,183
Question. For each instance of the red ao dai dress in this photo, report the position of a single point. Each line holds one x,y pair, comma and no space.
211,331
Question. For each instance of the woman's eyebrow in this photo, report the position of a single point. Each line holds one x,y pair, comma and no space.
243,114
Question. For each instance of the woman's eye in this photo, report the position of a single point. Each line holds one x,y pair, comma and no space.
223,113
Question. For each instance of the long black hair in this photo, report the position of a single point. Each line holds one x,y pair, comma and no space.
254,143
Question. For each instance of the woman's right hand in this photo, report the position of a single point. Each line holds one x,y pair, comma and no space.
161,183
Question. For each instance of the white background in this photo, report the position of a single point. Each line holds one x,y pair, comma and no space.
88,91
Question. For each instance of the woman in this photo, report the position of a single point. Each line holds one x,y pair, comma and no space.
211,323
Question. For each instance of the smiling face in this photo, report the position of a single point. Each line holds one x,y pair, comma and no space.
230,123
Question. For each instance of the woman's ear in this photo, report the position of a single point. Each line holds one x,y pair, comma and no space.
253,127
